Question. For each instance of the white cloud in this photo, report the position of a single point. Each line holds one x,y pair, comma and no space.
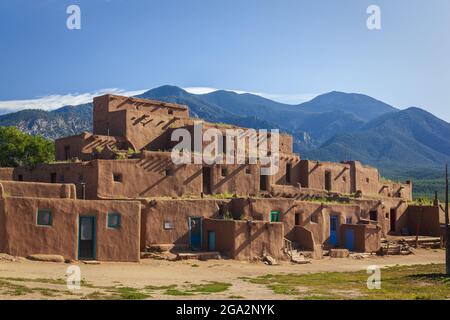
284,98
55,101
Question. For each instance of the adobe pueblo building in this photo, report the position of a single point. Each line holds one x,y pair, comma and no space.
116,193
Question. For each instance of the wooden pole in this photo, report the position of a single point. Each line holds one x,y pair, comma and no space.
447,225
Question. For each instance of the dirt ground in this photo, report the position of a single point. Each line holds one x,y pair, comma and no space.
26,279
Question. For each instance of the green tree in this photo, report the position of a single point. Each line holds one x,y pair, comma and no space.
20,149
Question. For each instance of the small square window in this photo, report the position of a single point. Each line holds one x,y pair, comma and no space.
44,218
168,225
20,177
113,220
168,172
348,220
170,111
373,215
248,170
367,180
117,177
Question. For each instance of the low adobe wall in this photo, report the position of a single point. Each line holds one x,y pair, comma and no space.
21,236
38,190
367,237
6,174
426,219
176,213
244,240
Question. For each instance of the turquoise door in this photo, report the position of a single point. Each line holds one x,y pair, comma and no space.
212,241
195,233
350,239
333,231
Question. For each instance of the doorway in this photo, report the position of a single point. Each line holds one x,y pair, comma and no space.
334,230
206,174
212,241
195,233
86,238
350,239
393,219
328,180
263,182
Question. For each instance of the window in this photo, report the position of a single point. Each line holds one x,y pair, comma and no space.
248,170
117,177
373,215
168,172
288,172
348,220
297,219
224,172
314,218
344,178
170,112
44,218
20,177
113,220
67,152
168,225
367,180
275,216
53,177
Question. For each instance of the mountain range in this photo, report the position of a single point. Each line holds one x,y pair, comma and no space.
333,126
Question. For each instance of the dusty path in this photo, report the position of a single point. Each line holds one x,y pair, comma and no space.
163,273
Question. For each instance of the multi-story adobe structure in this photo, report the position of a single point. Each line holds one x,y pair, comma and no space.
116,192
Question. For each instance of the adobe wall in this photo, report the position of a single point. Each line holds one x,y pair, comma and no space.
312,175
260,209
244,240
177,213
6,174
367,238
83,146
427,219
39,190
23,237
68,172
147,177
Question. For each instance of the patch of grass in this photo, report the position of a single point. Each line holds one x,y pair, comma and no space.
235,297
128,293
177,292
211,287
153,288
194,265
397,283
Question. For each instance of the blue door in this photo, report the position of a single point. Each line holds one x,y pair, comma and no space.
195,233
212,241
333,231
350,239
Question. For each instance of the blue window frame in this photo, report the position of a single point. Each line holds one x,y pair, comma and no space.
44,218
114,220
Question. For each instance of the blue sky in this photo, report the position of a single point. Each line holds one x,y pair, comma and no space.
288,50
